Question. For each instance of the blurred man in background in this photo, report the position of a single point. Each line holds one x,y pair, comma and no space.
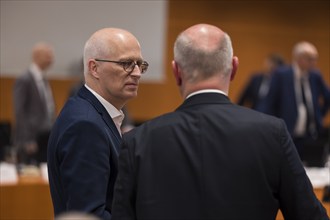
257,88
34,106
299,95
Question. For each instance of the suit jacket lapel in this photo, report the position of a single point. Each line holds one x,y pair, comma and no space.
86,94
34,86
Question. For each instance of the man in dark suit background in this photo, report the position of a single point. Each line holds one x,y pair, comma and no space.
299,95
211,159
85,140
257,88
34,105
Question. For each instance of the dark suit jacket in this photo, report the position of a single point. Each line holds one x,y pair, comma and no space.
83,156
211,159
30,110
281,99
250,94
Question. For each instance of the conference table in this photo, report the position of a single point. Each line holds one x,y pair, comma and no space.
29,199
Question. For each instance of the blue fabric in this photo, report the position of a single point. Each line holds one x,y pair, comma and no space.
82,157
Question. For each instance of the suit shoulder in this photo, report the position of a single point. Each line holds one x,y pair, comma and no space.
152,124
77,109
256,117
25,77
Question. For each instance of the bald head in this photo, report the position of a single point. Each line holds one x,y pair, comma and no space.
304,47
305,55
42,55
106,55
105,42
204,37
203,59
202,51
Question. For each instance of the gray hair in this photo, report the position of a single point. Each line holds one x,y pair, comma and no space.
201,64
76,215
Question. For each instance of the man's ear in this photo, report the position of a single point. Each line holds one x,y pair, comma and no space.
176,73
92,66
234,69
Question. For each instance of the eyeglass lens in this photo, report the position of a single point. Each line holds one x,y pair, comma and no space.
130,65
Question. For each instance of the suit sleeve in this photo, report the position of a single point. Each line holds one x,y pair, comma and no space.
325,93
85,168
296,195
123,207
21,101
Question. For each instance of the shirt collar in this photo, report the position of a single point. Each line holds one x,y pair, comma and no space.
206,91
116,115
298,73
36,72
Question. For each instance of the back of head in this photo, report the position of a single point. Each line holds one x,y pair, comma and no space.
202,51
74,215
42,55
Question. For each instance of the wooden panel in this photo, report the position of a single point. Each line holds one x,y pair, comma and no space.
60,88
30,199
257,28
6,99
26,200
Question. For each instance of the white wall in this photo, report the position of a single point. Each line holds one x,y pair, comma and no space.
68,24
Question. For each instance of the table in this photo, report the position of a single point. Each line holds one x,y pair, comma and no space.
29,199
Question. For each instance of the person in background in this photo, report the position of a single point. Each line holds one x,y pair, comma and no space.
299,95
257,88
210,158
85,140
34,106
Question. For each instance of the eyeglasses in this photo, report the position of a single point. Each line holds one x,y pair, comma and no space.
129,65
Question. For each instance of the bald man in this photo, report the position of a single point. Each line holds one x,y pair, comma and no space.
299,95
33,105
85,140
211,159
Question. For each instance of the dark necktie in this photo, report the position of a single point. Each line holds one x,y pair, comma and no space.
48,100
310,123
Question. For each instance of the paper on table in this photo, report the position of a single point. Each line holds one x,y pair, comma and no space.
319,177
44,171
8,173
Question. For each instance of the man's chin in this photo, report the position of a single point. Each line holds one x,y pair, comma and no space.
131,94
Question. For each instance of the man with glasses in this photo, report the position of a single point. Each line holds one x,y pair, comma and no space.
85,140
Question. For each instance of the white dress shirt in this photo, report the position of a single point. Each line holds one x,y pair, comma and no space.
302,109
116,115
206,91
44,91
